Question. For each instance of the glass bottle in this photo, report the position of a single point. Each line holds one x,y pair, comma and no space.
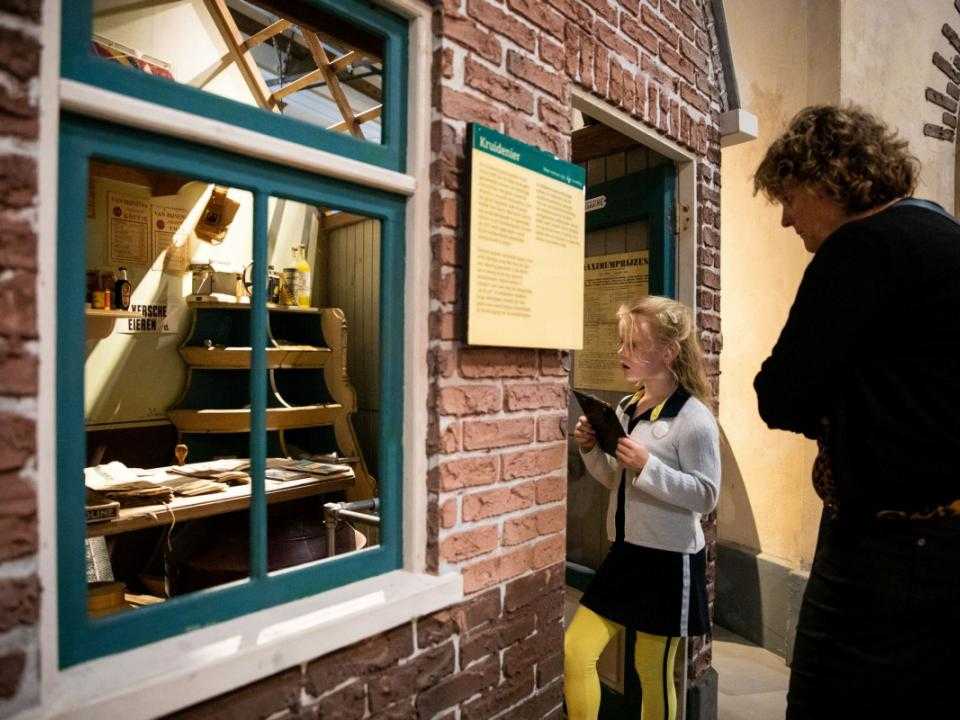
303,275
122,290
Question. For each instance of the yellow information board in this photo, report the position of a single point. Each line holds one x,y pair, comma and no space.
609,282
526,245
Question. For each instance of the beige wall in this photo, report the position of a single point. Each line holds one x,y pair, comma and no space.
787,56
886,61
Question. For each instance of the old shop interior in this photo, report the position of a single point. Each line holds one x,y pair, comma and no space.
168,353
629,185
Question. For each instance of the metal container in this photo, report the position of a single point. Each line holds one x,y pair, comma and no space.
288,286
202,279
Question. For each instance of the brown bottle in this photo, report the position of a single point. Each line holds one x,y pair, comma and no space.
121,290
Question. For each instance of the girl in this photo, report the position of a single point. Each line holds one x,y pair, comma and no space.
665,475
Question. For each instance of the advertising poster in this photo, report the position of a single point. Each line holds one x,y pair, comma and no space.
609,282
165,221
128,230
526,245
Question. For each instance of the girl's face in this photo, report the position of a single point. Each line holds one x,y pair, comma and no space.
647,359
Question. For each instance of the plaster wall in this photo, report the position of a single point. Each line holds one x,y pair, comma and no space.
886,61
787,56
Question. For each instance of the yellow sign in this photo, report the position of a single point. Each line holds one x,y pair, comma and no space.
526,246
609,282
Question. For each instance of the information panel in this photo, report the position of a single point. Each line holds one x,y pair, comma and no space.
526,245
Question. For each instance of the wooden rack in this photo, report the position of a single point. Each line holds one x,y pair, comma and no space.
308,386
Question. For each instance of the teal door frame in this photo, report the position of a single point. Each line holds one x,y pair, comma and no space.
647,195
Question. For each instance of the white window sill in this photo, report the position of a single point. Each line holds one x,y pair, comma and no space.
178,672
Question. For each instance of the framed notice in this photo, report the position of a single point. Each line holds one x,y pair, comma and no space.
609,282
526,238
128,230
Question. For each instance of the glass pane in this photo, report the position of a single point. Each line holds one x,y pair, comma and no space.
166,386
326,388
287,58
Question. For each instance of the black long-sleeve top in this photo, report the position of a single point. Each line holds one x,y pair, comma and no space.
872,343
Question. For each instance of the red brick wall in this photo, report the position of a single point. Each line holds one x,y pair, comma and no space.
497,428
19,585
498,435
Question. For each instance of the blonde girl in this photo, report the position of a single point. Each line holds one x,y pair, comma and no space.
665,475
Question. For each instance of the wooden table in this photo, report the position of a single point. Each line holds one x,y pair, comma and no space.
181,509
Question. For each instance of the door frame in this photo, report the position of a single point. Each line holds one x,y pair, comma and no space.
686,163
685,227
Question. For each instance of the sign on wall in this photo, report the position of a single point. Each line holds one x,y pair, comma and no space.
610,281
526,239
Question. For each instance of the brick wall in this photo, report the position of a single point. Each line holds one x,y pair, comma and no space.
19,585
497,417
498,438
497,435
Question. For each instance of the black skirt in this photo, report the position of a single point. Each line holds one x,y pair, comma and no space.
658,592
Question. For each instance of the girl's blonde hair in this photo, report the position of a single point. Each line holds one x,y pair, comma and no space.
671,324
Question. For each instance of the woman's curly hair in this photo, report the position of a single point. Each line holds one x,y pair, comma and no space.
846,153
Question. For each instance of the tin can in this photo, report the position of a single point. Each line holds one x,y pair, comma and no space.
97,300
288,291
107,299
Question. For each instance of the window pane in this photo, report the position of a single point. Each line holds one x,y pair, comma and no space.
328,264
166,405
288,58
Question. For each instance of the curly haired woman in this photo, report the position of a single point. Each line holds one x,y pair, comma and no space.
867,364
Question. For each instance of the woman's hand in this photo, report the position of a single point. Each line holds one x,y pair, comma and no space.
631,454
584,435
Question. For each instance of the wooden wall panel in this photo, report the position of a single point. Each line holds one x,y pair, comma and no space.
353,284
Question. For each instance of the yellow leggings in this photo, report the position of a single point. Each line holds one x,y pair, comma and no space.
654,656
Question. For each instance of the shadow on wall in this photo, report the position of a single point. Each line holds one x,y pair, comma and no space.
738,607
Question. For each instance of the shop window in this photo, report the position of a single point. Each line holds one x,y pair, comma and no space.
240,390
320,73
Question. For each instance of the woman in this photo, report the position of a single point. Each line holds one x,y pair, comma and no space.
665,475
867,363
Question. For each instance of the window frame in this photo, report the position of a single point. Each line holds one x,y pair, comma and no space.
175,673
82,139
78,63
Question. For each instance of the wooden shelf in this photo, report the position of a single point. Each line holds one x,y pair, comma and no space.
238,420
100,323
285,357
234,305
229,500
308,384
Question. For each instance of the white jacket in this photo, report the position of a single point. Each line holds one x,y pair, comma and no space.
679,483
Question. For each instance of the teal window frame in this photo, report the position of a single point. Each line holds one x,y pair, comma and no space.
644,195
80,64
81,139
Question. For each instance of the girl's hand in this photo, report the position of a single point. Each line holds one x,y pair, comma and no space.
631,454
584,435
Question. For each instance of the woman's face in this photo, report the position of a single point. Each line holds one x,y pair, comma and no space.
648,359
812,215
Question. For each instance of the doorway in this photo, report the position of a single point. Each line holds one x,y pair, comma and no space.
632,238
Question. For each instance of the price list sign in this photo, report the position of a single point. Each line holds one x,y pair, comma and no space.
526,237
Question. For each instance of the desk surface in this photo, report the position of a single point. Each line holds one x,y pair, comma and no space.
181,509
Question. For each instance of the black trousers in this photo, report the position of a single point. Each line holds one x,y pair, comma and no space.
879,628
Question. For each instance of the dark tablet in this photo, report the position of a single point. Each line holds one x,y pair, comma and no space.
604,420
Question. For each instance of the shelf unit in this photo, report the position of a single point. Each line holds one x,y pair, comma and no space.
100,323
310,400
